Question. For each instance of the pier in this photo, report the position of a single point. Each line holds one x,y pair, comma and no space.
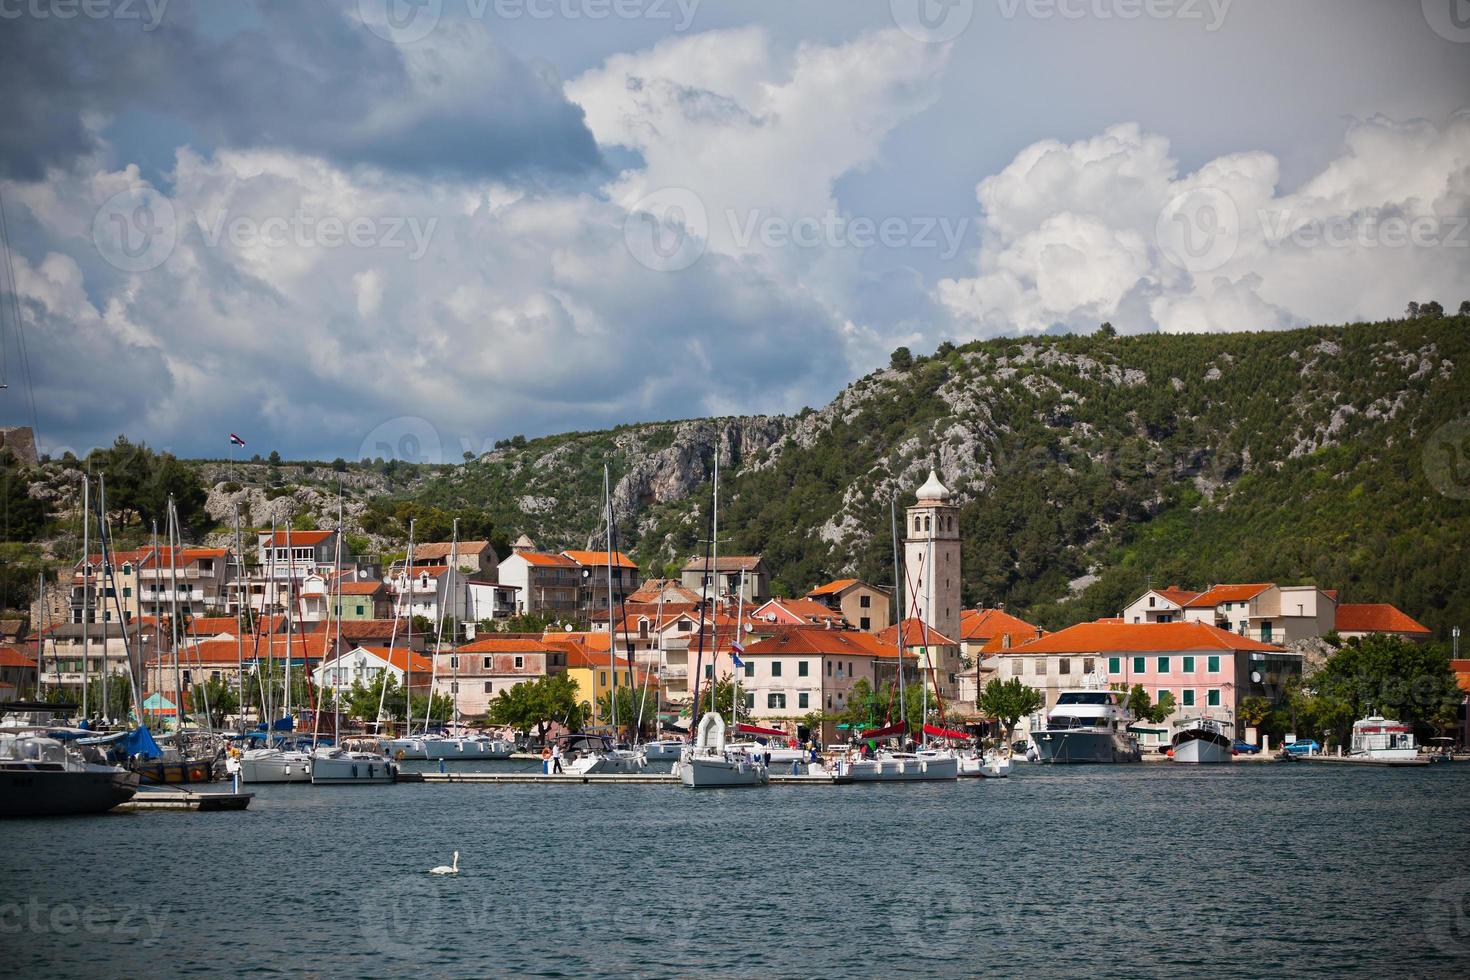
198,801
1348,760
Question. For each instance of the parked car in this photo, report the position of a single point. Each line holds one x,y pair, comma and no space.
1247,747
1304,746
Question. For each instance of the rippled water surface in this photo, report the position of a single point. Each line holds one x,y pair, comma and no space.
1145,870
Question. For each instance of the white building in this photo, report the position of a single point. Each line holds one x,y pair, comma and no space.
363,665
932,559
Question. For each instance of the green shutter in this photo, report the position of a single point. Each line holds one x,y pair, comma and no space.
1188,697
1214,665
1189,665
1138,666
1115,665
1214,698
1163,665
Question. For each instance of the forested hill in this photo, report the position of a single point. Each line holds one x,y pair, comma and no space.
1086,468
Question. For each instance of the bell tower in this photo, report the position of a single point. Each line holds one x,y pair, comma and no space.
932,559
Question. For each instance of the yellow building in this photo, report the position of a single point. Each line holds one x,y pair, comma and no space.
589,668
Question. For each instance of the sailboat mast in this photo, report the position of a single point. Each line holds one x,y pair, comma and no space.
290,622
714,544
453,627
101,519
735,646
612,648
337,645
41,638
86,589
268,685
408,651
173,616
897,603
239,622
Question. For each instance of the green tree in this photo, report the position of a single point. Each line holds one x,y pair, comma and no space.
1254,710
637,709
274,458
1388,675
724,688
215,699
901,359
1465,307
1144,708
1107,329
1009,701
140,483
538,704
22,517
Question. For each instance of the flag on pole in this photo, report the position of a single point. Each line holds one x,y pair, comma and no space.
236,440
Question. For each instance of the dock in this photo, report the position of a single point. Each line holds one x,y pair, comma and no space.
1348,760
199,801
573,779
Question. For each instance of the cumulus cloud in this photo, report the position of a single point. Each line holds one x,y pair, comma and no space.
1108,228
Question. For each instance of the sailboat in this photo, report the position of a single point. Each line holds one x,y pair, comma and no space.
274,763
338,764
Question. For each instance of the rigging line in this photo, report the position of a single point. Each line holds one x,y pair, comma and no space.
20,336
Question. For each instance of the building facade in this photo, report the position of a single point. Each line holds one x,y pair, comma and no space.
932,559
866,607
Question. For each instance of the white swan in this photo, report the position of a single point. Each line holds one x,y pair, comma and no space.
445,869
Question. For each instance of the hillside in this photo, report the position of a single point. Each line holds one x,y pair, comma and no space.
1085,467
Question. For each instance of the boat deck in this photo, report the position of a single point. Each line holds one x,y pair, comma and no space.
169,798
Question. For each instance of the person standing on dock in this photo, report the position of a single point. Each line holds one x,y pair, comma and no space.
556,759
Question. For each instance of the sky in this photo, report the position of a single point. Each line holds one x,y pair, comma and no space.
411,228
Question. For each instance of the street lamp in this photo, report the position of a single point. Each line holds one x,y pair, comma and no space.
1455,637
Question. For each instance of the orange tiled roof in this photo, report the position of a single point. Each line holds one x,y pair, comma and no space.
542,558
399,658
181,557
298,538
833,587
725,563
805,610
1217,594
598,559
914,634
359,588
522,644
814,640
1462,673
11,657
1376,617
1178,596
434,551
981,624
1140,638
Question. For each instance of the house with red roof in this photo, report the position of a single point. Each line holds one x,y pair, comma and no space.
726,576
798,670
937,655
364,665
867,607
1356,619
545,584
17,674
497,662
1164,605
595,568
799,612
1208,670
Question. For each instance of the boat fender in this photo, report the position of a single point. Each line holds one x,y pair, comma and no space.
400,755
545,754
197,774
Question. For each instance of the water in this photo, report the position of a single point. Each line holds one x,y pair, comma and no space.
1138,870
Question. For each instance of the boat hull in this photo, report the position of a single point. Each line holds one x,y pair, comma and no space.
174,773
277,768
663,751
619,763
1084,747
700,773
902,770
352,771
1197,748
454,749
27,792
989,768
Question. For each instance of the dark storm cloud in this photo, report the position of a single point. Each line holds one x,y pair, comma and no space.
304,76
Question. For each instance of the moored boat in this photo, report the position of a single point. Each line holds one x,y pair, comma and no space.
590,755
1201,740
1384,739
995,764
42,776
340,766
1086,726
711,763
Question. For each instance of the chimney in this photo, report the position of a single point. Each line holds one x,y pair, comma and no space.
1038,632
1005,641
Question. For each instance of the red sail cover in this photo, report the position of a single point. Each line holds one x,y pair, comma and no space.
745,729
898,728
938,732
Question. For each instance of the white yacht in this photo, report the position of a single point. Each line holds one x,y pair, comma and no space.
994,764
1201,740
274,764
664,750
347,766
595,755
1377,737
1089,725
709,762
925,765
452,747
